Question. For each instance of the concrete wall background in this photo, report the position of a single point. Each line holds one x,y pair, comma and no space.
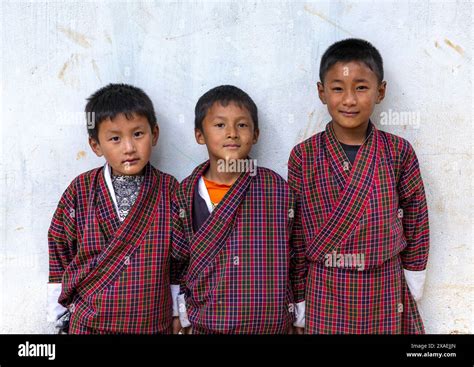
54,55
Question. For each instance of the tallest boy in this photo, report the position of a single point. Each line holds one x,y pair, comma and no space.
362,206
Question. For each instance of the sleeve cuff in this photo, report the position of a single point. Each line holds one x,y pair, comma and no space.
54,309
174,297
416,282
183,314
300,314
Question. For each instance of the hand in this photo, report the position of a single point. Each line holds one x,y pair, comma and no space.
176,325
188,330
62,323
298,330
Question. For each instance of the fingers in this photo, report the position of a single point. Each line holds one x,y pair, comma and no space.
299,330
176,325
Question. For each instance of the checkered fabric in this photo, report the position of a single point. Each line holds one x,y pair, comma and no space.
115,275
375,209
245,266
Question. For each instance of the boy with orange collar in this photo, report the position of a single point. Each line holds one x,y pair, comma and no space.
234,234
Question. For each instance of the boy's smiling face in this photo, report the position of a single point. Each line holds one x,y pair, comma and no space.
351,91
228,132
125,144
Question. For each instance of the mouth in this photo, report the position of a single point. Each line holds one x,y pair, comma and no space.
349,113
232,146
130,161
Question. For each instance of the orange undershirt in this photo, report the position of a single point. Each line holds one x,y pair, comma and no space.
216,190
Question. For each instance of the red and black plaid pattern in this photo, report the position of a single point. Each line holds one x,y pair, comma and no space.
242,268
115,275
376,208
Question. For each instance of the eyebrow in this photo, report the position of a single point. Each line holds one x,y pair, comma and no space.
356,80
113,131
139,126
226,118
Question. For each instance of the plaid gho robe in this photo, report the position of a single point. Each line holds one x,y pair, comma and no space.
244,267
115,275
375,209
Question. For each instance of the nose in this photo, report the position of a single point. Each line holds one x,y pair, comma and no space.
350,98
128,146
231,132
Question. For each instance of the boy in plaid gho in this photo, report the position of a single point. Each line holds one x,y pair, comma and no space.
109,240
362,206
234,234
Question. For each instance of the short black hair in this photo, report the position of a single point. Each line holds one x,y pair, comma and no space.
352,49
114,99
224,94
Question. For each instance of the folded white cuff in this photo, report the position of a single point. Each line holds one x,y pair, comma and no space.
416,282
174,297
183,314
300,314
53,308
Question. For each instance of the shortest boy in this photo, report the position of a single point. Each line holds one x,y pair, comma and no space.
241,267
109,240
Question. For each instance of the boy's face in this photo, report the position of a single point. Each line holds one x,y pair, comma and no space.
351,91
228,132
125,144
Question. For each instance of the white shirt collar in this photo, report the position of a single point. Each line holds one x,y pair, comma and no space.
108,181
205,194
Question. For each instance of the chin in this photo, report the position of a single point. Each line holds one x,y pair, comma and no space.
128,172
232,155
350,124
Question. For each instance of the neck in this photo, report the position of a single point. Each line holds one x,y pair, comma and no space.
355,136
224,178
141,173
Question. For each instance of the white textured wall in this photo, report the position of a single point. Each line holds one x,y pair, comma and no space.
54,55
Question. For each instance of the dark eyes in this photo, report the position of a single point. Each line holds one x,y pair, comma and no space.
339,89
136,134
240,124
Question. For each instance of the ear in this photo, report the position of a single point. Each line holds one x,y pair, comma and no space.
199,135
95,146
321,93
155,134
381,89
256,134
